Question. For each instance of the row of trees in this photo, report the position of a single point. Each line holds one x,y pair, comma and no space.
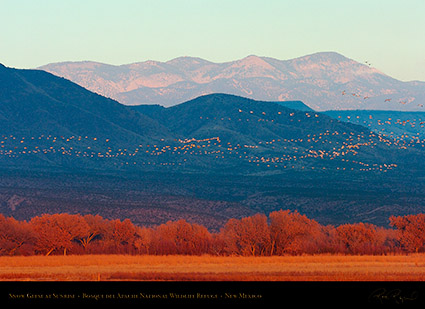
282,232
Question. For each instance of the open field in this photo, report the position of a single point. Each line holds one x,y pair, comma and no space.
213,268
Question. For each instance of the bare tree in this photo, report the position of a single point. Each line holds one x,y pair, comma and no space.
58,231
13,235
411,230
247,236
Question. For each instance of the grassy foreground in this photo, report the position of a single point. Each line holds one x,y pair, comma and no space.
213,268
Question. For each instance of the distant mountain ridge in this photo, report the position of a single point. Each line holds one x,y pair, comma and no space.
323,81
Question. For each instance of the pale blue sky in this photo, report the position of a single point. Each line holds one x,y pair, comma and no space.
390,33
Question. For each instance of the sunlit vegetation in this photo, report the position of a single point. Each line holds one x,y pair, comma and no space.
281,233
321,267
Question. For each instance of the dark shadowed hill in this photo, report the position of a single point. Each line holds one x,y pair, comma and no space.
43,115
39,102
266,137
298,105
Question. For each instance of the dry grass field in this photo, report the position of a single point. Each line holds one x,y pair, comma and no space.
213,268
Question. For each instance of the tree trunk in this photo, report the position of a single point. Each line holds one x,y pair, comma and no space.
11,252
253,250
272,247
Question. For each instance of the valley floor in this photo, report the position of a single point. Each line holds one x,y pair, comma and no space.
213,268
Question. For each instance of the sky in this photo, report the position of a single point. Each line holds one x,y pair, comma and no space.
390,34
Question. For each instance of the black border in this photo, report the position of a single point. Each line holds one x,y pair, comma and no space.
196,293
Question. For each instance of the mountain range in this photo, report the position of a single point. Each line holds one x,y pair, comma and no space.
323,81
64,148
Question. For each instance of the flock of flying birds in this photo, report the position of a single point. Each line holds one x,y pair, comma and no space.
321,150
385,100
293,153
280,153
